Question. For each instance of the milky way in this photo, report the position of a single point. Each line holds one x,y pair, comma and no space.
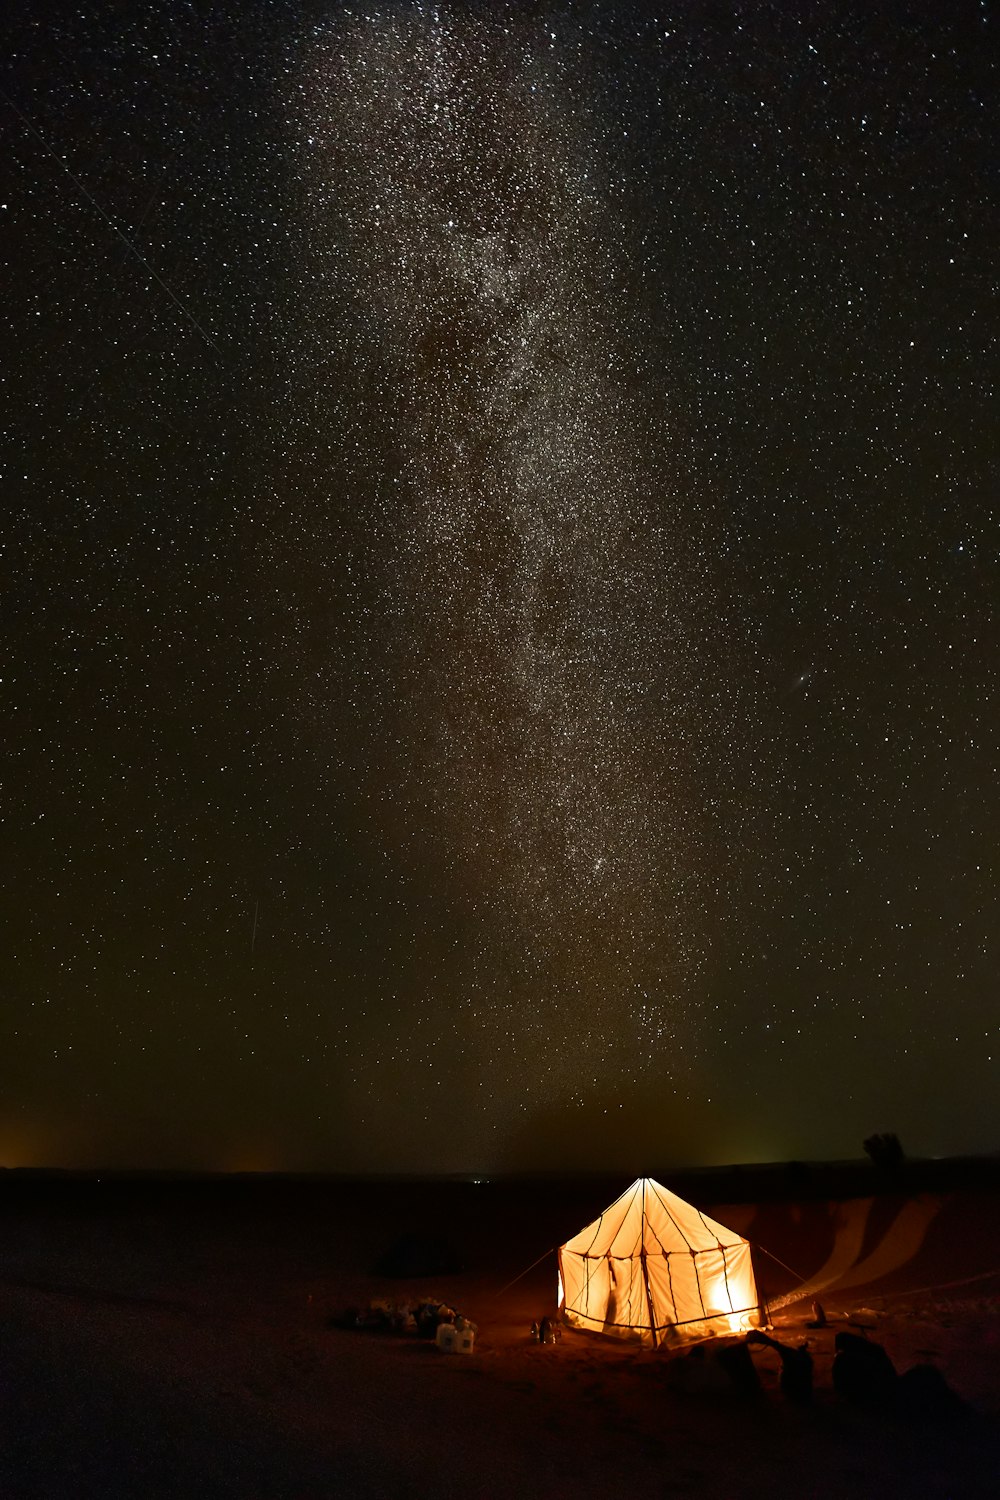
546,585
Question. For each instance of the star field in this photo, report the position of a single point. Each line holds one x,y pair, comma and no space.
501,571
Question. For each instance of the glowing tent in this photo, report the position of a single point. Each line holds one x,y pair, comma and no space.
654,1268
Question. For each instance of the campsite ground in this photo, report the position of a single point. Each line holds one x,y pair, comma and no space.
171,1339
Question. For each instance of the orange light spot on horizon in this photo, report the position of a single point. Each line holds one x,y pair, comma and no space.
250,1159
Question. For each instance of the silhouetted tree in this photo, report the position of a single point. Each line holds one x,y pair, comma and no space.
885,1150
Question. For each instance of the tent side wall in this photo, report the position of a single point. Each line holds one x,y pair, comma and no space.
605,1295
711,1291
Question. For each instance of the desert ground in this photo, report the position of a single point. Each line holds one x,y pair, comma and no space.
173,1338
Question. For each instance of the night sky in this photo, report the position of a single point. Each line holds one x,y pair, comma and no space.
500,564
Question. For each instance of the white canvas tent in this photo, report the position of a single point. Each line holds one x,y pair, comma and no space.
654,1268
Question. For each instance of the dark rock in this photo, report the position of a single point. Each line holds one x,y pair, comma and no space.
923,1395
796,1379
862,1372
738,1364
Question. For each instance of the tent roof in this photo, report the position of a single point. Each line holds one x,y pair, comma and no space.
649,1217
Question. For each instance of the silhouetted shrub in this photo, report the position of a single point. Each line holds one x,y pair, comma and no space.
414,1256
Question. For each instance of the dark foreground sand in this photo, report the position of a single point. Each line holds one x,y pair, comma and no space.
171,1339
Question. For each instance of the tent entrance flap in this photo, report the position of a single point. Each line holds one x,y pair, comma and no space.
655,1268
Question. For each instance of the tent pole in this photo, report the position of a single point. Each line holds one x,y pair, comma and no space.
645,1272
649,1299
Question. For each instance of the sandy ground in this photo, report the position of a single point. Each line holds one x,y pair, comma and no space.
157,1344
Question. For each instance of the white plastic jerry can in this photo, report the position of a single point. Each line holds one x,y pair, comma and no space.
446,1337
